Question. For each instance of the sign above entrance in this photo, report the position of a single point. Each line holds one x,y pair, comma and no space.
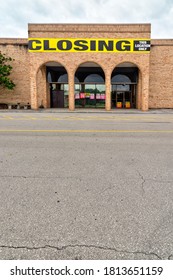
88,45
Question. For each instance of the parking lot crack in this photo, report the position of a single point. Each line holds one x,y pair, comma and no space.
108,188
38,177
11,176
143,181
105,248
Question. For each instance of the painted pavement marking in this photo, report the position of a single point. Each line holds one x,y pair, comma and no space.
85,131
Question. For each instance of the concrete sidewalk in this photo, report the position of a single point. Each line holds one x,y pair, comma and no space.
89,110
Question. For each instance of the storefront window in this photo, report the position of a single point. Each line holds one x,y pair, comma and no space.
63,79
94,78
90,95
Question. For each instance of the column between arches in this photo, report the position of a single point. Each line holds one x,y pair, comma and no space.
33,90
71,83
108,90
145,91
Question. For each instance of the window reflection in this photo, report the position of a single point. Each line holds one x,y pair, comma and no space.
94,78
90,95
120,79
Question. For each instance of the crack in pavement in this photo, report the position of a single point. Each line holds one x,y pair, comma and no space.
108,188
70,177
143,181
159,181
83,246
39,177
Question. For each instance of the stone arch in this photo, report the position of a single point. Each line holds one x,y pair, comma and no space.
92,62
45,92
124,85
55,62
90,90
126,63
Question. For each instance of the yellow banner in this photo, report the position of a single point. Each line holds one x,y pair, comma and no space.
88,45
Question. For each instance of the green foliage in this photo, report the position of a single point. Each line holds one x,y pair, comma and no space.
5,71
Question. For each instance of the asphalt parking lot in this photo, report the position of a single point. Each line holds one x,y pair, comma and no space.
86,185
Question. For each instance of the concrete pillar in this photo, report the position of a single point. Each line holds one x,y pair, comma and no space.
33,90
139,92
71,90
48,95
145,91
44,95
108,91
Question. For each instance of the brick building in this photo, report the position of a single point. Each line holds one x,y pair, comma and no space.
90,66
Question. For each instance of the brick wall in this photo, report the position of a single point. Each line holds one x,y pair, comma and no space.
17,49
161,74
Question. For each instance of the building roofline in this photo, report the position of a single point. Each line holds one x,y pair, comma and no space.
13,41
161,42
89,27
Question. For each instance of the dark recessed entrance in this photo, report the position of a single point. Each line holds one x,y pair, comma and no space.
90,86
124,87
58,83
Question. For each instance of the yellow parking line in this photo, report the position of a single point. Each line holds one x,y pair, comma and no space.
86,119
30,118
7,118
85,131
50,118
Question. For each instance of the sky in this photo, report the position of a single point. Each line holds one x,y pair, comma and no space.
16,14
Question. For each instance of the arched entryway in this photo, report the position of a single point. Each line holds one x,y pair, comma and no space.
90,86
124,81
57,78
52,86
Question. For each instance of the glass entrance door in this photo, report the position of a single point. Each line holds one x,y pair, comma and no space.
123,96
119,97
58,95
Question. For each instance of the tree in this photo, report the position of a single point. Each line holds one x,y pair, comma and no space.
5,71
